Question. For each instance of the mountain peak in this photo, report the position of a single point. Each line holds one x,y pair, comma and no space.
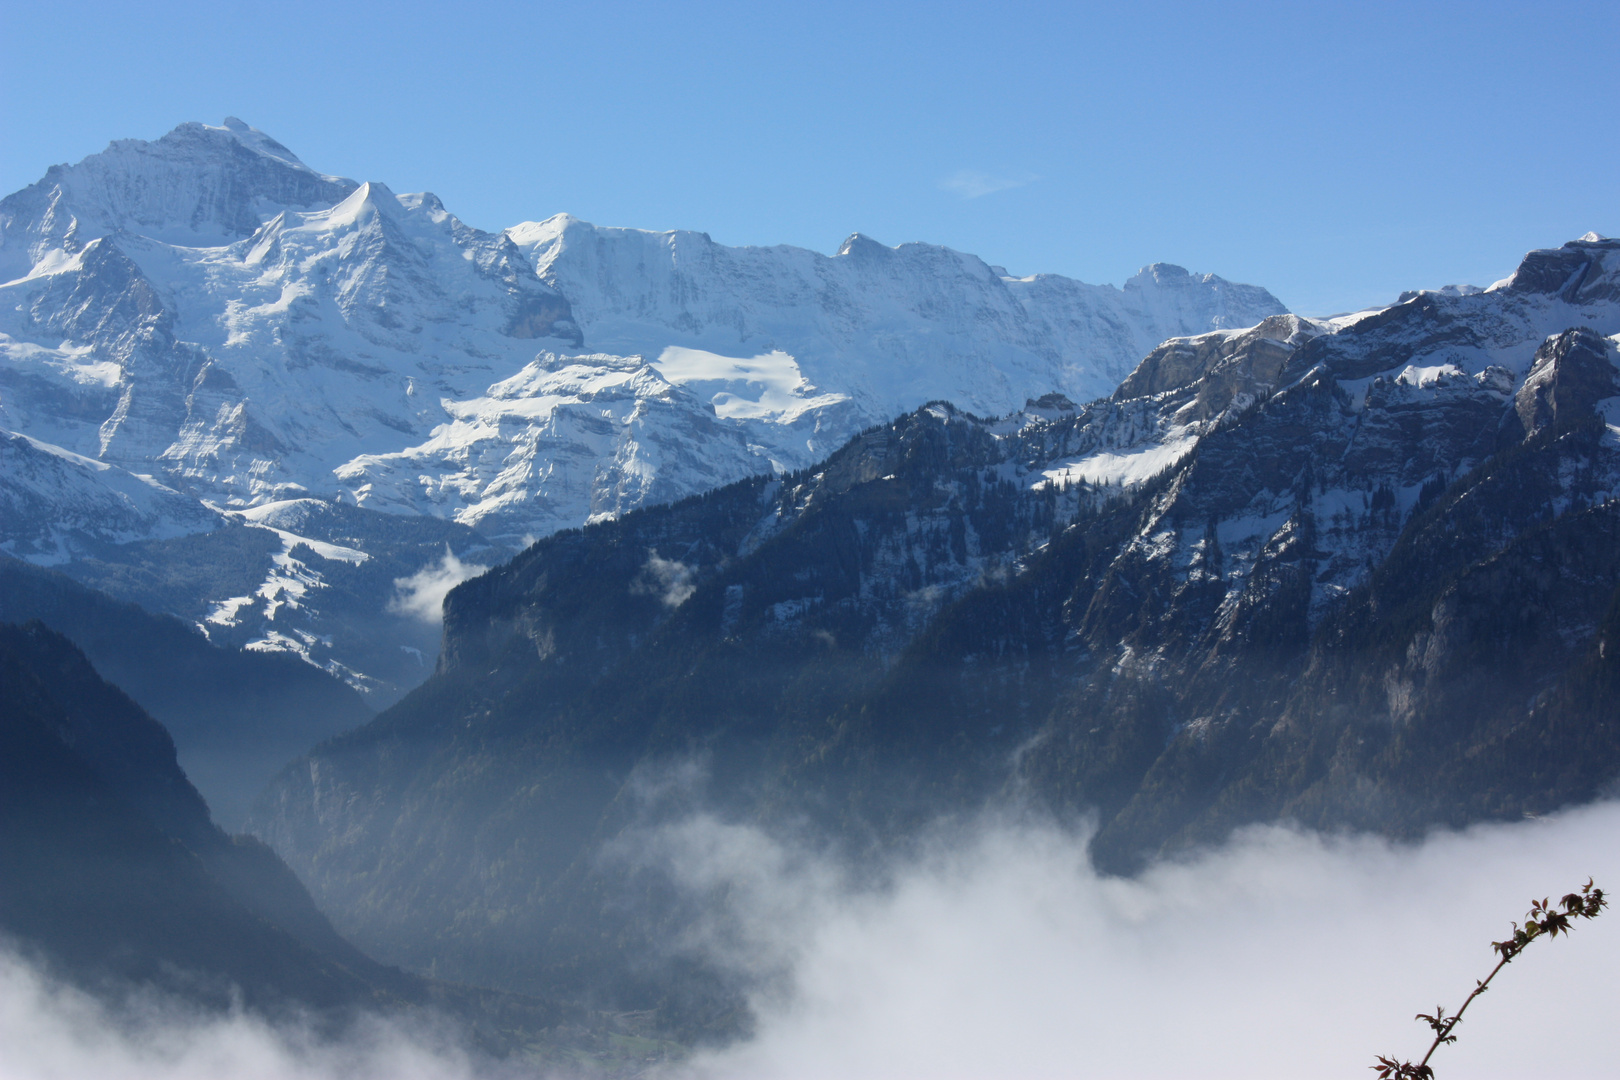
256,140
1579,269
1160,274
860,244
369,198
205,145
197,186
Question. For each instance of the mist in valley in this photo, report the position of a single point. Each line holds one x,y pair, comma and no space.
51,1031
994,950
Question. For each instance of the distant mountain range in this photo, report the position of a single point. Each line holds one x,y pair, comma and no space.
208,310
202,326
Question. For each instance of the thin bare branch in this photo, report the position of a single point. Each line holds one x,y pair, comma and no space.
1545,919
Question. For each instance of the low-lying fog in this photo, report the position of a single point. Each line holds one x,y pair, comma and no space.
1000,954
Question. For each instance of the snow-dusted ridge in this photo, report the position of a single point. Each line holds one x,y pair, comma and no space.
883,328
53,502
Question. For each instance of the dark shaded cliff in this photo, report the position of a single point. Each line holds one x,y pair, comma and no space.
236,717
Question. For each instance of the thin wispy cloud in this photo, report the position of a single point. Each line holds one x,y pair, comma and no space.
971,184
422,594
668,579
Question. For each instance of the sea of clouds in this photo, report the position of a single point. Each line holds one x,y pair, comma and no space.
995,951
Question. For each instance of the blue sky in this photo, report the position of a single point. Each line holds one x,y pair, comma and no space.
1333,153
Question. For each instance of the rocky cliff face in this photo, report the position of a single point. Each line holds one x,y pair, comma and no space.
1358,572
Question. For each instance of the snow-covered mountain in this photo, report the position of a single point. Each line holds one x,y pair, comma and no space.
774,336
208,310
198,186
200,327
1382,410
53,501
246,371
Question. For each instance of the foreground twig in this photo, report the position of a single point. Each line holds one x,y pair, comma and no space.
1543,919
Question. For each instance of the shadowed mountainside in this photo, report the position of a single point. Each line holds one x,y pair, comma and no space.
236,717
1357,572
